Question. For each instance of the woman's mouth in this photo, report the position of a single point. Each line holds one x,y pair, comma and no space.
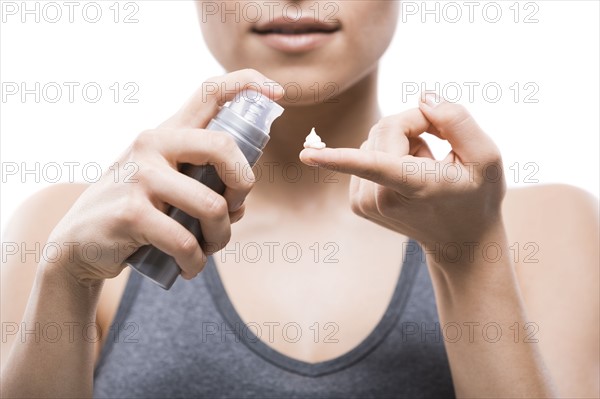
295,37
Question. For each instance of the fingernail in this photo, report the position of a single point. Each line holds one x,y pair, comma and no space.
432,99
307,160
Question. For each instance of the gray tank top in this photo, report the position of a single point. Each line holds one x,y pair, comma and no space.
190,342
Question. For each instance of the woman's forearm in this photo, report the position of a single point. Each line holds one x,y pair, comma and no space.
54,355
478,297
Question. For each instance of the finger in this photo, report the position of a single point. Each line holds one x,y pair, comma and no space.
175,240
376,166
355,189
368,203
201,147
419,148
383,206
371,142
453,122
198,201
215,92
393,133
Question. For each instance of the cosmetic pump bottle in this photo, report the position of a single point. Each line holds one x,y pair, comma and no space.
247,118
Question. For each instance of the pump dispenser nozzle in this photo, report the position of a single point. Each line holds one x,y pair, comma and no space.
256,108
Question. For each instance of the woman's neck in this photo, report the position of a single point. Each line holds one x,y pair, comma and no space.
344,121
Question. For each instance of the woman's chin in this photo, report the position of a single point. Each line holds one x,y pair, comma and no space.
305,101
303,91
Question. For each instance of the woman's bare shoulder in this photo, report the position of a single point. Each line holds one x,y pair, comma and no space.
27,232
559,219
562,199
36,216
43,210
554,228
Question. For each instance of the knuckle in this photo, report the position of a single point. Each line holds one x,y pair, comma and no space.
221,140
216,206
131,212
144,140
246,183
454,115
186,244
146,172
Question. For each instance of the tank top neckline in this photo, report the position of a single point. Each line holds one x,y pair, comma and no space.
410,268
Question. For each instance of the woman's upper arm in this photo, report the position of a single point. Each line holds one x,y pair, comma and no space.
22,247
554,234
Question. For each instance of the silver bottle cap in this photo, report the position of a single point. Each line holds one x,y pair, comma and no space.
256,109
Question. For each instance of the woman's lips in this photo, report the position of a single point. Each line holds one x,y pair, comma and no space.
295,37
295,42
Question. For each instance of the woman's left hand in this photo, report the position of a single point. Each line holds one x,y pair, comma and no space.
398,184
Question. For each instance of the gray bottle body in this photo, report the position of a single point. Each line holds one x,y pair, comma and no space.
157,265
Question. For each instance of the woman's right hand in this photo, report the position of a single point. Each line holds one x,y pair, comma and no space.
113,217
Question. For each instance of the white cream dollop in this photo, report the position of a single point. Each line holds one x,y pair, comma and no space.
313,141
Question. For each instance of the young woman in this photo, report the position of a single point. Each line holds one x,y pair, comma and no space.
420,296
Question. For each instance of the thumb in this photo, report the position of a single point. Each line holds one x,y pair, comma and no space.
214,92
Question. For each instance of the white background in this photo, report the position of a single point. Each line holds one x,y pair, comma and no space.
164,55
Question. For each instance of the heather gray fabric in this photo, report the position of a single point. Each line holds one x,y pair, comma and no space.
190,342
